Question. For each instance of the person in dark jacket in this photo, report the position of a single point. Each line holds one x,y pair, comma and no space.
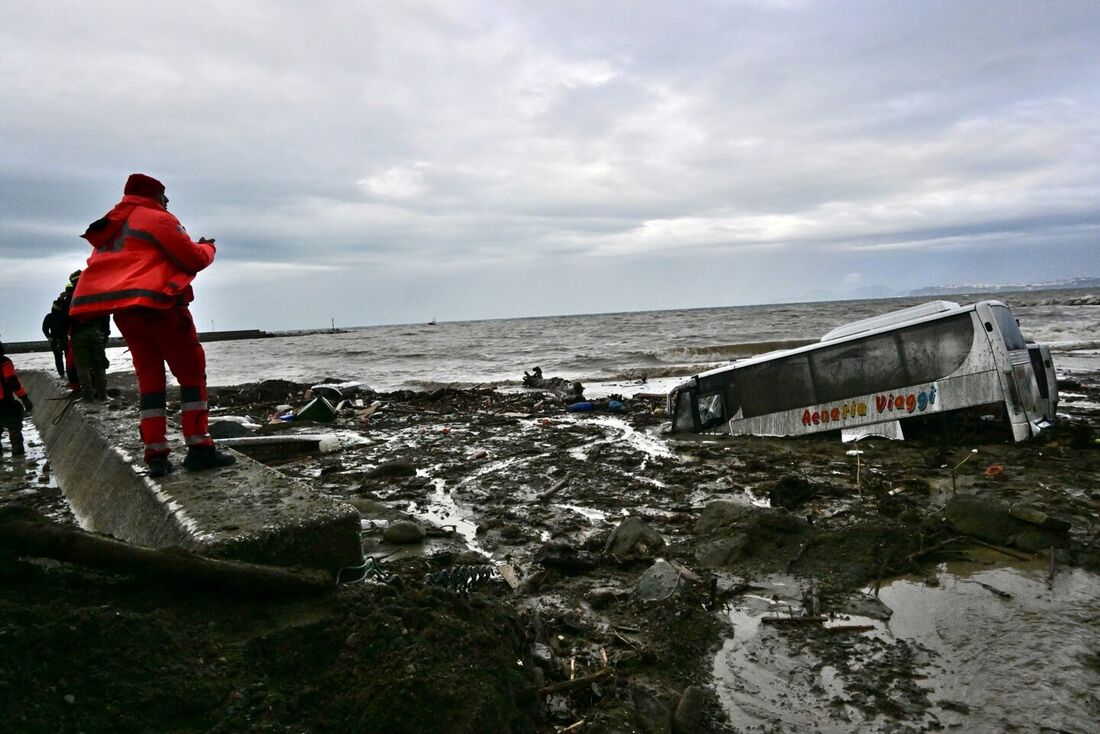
60,326
140,270
88,338
14,402
55,330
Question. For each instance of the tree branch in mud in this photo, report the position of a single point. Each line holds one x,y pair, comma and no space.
578,683
24,532
558,486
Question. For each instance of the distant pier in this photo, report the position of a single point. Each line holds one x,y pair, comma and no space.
204,336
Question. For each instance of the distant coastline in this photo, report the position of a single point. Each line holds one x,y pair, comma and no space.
1056,285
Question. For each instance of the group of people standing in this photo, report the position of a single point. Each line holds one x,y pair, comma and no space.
140,271
79,345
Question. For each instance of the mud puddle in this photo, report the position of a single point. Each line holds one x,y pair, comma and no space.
972,648
441,510
28,478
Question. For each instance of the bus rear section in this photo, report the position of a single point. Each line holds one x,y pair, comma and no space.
1046,380
871,376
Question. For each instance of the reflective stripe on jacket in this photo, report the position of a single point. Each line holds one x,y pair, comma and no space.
9,381
143,258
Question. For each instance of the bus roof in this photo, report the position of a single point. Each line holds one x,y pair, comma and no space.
900,316
885,322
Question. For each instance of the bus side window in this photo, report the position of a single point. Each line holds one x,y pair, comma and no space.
710,410
935,350
858,367
781,384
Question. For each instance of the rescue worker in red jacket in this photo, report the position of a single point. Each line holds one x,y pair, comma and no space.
141,271
11,412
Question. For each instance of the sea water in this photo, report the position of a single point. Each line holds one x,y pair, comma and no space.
615,352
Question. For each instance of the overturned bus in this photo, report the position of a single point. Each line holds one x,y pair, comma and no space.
871,376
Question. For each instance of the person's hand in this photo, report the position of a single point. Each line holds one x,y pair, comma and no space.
28,406
206,240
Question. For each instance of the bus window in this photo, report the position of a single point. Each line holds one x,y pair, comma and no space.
1010,330
857,368
726,384
683,420
780,384
710,410
934,350
1040,372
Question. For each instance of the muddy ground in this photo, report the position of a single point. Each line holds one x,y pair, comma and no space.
536,570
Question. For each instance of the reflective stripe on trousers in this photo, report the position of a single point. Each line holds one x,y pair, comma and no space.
154,337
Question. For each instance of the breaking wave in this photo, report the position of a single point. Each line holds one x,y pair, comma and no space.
1089,300
1075,346
648,373
727,352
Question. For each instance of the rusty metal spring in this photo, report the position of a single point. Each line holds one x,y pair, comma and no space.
368,571
461,579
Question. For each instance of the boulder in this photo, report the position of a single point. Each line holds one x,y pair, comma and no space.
634,538
1036,516
659,582
688,716
723,517
566,558
992,521
650,715
390,469
403,532
723,514
791,491
723,551
602,597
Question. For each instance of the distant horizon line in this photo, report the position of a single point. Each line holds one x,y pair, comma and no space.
961,289
925,292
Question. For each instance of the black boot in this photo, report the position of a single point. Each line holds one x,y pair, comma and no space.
207,457
159,466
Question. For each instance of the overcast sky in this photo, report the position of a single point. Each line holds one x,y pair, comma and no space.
390,162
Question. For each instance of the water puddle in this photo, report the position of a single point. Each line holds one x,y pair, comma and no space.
640,441
985,649
593,516
441,510
29,478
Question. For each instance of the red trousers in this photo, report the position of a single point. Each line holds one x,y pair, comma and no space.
155,337
70,364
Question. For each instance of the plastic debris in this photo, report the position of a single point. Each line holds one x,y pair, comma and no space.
319,409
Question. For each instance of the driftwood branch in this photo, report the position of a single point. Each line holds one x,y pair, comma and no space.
819,619
1002,549
558,486
26,533
572,685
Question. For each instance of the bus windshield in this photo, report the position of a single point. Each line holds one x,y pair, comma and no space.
1010,330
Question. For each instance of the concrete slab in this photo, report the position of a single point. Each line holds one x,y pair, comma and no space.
246,512
282,447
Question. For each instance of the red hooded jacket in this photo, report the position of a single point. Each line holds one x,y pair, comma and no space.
9,381
143,258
